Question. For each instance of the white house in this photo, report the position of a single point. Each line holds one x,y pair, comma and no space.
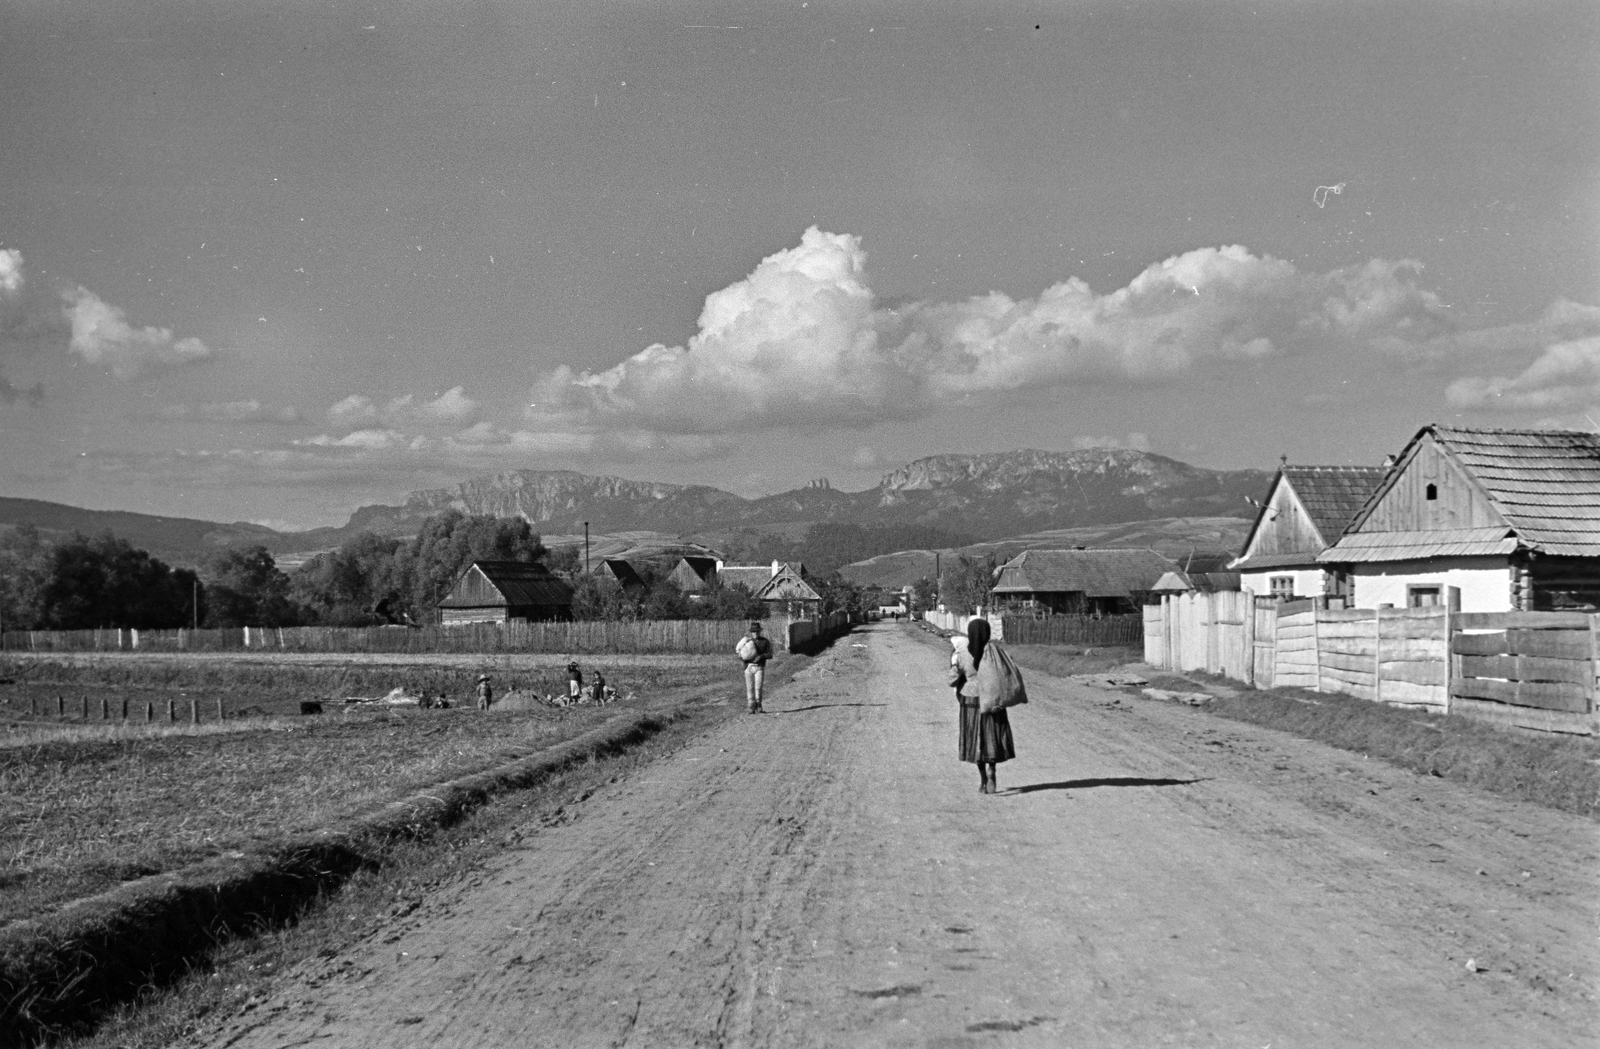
1511,518
1305,512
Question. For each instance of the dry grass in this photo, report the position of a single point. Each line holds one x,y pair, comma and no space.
1559,772
243,972
1066,660
84,807
262,685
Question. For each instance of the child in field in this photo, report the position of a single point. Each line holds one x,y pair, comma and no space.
574,681
485,692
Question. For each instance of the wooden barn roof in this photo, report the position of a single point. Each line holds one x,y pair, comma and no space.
519,584
1546,483
1094,573
1332,495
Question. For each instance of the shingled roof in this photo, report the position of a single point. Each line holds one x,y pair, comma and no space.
518,584
1094,573
1332,495
1545,482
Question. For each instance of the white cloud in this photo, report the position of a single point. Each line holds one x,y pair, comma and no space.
232,412
370,440
1139,442
101,334
451,406
801,340
10,271
1564,375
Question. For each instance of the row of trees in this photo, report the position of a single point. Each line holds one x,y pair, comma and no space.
82,583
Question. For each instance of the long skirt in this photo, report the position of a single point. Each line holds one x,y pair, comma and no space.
985,738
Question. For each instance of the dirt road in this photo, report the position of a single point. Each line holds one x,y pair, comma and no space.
828,875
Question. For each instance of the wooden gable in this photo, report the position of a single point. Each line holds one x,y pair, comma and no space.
474,590
1428,490
1283,526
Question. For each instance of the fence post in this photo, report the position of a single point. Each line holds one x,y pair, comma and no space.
1377,655
1316,647
83,708
61,707
1452,662
105,709
194,711
172,710
219,708
124,708
1248,611
149,711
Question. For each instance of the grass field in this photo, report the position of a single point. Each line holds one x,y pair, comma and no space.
254,684
85,806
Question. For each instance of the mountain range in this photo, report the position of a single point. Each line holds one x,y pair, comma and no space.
987,496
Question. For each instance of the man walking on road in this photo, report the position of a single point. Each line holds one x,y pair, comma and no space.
755,650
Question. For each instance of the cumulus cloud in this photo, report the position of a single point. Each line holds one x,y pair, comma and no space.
1139,442
451,406
10,271
246,411
802,340
370,440
102,335
1563,376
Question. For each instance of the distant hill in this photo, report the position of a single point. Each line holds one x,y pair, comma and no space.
178,540
1177,537
990,496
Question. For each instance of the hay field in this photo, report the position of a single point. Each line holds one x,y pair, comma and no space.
85,806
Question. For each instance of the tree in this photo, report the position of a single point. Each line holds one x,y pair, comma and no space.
596,597
24,568
245,588
838,594
964,586
924,594
344,587
430,564
106,582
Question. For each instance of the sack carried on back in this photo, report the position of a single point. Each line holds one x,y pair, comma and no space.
747,649
999,681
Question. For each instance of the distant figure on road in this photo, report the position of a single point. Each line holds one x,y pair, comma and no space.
755,650
985,738
485,692
574,681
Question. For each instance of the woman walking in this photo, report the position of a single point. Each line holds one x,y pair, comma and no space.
985,738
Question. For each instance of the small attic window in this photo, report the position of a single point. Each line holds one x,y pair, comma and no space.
1433,492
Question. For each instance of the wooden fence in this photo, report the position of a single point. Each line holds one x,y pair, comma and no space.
1073,630
1533,670
693,636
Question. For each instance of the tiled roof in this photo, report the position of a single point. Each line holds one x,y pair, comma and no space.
1094,573
1545,482
1416,545
751,577
1333,494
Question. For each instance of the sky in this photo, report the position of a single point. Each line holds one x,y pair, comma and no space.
273,261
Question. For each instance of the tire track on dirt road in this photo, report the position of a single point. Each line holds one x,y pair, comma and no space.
828,876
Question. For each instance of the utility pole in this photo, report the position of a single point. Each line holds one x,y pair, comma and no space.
586,548
938,582
194,604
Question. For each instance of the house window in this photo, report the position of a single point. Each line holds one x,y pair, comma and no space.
1423,596
1433,492
1282,586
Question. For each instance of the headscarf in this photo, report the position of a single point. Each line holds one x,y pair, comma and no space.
977,639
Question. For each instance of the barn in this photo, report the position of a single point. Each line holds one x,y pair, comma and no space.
1505,520
1098,582
500,591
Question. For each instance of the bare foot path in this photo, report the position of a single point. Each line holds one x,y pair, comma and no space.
828,875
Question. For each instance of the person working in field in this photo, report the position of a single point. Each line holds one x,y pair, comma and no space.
755,650
485,692
985,739
574,682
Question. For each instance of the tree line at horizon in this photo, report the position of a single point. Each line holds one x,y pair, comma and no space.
89,582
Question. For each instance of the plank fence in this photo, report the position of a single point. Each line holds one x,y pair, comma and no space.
690,636
1534,670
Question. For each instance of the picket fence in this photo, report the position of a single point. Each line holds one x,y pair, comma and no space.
688,636
1535,670
957,623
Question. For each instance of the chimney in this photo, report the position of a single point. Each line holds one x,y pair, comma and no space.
776,565
719,566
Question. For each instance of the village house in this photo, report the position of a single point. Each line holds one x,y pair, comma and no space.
1084,582
500,591
1306,511
783,585
1508,519
621,572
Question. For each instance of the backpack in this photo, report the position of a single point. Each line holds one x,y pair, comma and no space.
999,681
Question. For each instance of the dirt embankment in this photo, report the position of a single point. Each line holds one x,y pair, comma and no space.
829,875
